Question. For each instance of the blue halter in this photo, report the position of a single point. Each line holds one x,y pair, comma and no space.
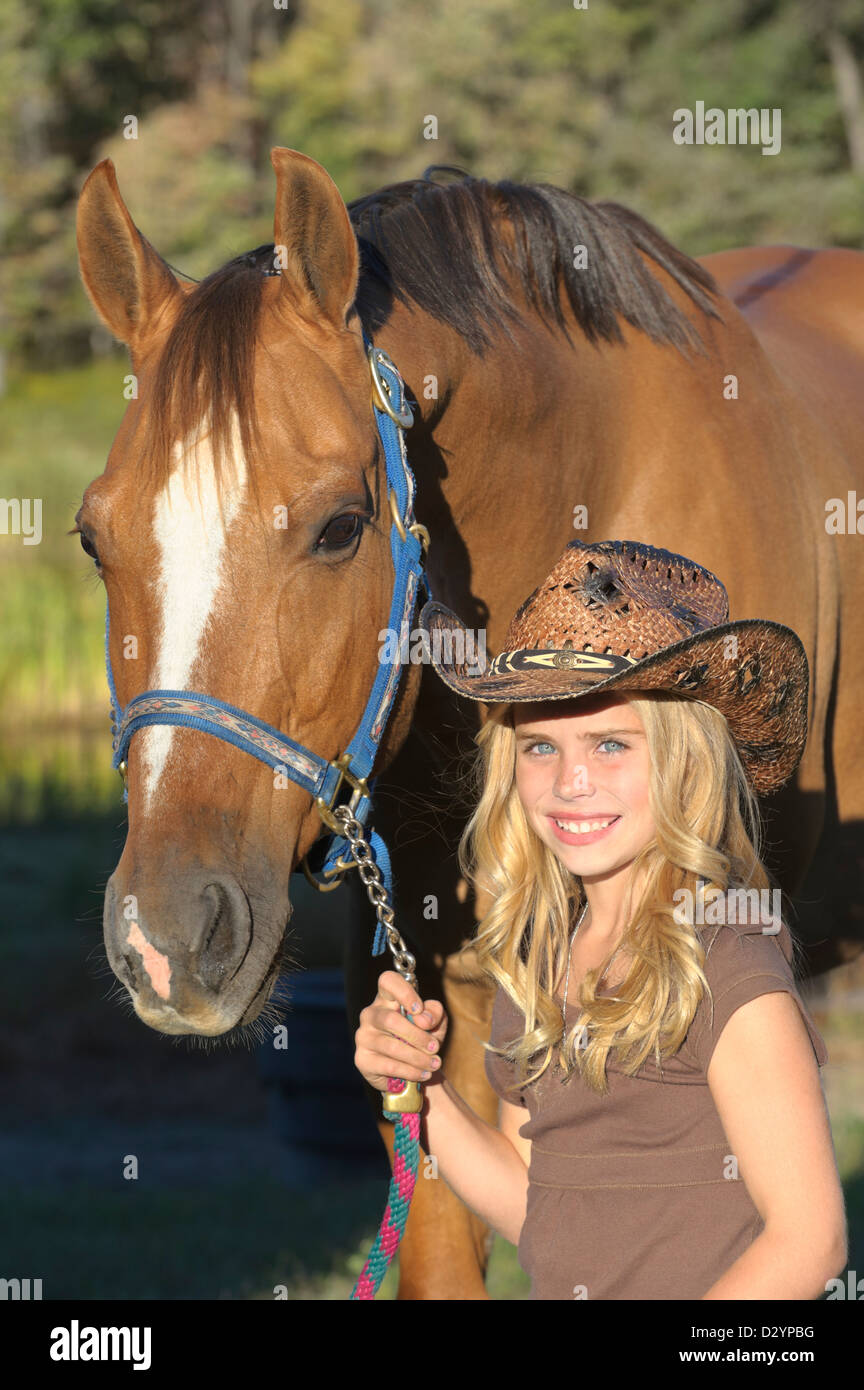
322,779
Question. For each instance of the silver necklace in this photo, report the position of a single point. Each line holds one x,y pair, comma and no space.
569,954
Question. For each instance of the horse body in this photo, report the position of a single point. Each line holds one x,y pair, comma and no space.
608,403
653,449
806,310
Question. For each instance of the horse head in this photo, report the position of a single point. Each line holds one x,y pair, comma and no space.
242,531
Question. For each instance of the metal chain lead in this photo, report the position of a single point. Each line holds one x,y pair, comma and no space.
377,893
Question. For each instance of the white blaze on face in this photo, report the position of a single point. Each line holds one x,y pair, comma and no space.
190,529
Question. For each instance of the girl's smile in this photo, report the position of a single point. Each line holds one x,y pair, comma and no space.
575,831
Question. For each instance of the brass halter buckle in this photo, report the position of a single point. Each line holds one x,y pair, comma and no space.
325,810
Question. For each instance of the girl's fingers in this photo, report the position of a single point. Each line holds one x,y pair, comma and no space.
389,1044
397,1059
393,988
429,1021
419,1034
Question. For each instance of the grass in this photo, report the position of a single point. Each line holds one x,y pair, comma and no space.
238,1241
246,1240
57,773
55,744
56,432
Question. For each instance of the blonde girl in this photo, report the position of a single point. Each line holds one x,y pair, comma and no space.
662,1130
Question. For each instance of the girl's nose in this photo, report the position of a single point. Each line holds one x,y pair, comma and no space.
572,779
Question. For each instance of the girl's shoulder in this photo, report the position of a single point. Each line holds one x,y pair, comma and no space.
740,931
749,954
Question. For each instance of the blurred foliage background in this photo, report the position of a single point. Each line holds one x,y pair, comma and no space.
539,92
544,93
581,98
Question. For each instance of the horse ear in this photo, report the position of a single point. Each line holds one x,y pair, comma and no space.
126,280
316,248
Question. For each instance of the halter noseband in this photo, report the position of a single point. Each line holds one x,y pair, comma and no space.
409,541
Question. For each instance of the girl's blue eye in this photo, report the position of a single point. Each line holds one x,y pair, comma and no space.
542,743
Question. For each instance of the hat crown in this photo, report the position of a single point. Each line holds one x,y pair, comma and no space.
624,598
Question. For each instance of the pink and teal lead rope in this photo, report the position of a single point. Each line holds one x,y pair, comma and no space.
402,1103
406,1159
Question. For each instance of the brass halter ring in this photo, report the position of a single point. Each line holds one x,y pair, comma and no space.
337,873
416,528
381,391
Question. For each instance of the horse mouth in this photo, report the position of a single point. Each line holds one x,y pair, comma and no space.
206,1021
259,999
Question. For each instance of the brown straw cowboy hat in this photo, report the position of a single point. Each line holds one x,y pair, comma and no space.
621,615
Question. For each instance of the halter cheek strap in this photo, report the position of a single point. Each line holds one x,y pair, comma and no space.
321,778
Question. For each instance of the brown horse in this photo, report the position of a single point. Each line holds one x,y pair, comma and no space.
569,368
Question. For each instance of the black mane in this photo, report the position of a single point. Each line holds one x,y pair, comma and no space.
414,236
446,246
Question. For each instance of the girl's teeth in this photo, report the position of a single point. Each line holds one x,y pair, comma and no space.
583,827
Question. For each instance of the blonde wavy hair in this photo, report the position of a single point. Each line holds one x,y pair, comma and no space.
708,836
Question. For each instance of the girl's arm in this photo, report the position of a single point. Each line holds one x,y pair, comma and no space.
766,1086
476,1160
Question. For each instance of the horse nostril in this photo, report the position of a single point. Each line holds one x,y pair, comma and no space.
224,945
130,981
222,907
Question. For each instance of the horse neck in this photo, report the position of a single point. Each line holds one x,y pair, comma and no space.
507,446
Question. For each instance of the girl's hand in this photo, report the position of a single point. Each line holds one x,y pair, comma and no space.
388,1044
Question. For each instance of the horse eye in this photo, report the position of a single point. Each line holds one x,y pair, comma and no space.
340,532
88,548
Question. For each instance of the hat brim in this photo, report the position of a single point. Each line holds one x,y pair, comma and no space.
762,690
